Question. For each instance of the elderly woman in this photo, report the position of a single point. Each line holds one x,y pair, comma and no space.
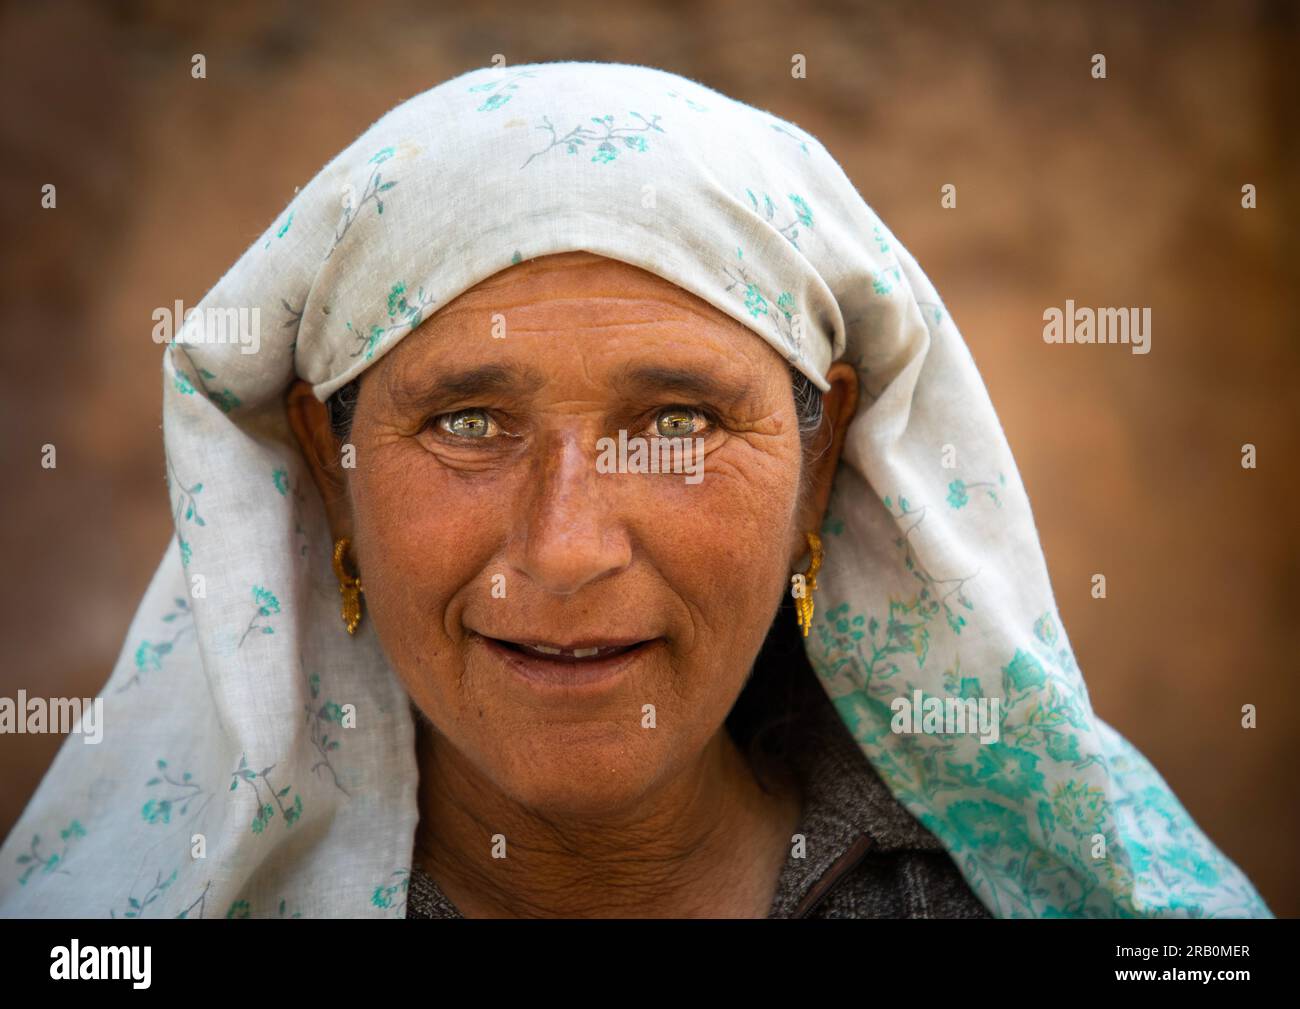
606,519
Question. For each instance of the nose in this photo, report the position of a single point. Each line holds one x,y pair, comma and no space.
570,536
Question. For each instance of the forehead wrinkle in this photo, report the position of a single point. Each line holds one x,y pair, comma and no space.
593,326
636,306
666,309
595,312
632,282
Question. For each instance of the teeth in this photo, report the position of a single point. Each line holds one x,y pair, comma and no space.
572,653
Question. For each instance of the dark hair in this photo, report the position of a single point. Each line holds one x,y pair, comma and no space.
341,407
776,706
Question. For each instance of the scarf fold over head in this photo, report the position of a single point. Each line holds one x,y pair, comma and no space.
223,716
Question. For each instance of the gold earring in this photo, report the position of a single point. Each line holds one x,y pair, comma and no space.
349,586
803,605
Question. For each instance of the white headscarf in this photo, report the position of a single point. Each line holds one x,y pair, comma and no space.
226,715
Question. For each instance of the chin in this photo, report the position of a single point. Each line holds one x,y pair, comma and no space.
578,770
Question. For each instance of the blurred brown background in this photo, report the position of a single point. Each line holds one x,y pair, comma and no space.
1117,192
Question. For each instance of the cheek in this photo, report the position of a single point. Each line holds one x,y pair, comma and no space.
721,545
422,535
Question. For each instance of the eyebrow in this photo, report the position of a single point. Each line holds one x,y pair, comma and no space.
468,383
686,381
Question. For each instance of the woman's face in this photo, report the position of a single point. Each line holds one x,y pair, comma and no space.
481,522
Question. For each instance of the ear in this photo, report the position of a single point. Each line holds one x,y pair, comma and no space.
310,421
838,406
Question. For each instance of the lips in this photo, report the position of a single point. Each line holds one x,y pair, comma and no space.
570,669
577,652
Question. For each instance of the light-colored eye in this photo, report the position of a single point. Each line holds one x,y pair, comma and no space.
680,422
469,424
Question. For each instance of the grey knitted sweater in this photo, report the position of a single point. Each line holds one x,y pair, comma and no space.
866,856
